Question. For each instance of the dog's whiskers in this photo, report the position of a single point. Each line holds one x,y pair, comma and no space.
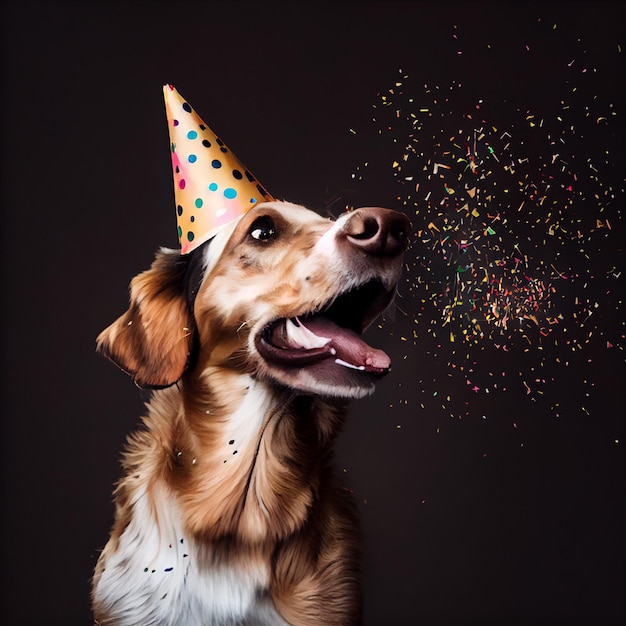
239,357
395,306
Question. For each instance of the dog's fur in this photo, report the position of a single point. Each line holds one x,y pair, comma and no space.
228,512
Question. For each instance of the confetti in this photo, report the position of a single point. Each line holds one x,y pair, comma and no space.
517,212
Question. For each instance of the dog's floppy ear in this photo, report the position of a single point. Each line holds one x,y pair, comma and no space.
152,341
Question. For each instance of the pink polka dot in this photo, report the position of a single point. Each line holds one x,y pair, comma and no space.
181,183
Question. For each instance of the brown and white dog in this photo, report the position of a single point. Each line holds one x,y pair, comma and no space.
228,512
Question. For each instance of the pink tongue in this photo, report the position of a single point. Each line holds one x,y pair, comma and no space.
349,345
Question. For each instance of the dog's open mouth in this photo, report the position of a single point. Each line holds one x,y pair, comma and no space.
332,336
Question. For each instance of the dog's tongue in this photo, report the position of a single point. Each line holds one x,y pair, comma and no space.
320,337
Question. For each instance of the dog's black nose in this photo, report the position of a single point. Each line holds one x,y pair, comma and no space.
377,231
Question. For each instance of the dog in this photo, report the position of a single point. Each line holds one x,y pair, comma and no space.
228,512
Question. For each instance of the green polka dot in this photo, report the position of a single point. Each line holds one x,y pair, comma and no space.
198,203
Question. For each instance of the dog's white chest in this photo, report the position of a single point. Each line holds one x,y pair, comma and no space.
157,577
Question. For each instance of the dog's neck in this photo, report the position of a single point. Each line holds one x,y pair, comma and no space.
249,457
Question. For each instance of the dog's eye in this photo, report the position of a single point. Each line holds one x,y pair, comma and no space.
262,229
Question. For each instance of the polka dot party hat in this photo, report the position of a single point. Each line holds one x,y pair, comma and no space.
211,186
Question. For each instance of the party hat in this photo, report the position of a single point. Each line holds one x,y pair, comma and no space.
211,186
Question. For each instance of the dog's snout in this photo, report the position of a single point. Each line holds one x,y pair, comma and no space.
377,231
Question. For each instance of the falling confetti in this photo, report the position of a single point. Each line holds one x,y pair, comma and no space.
517,212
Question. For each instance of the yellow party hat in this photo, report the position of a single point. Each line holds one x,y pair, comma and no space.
211,186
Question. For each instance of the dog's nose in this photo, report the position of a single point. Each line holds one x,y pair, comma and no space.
377,231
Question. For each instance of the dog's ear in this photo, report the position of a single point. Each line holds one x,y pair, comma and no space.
152,341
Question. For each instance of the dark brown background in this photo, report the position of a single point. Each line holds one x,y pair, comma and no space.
526,535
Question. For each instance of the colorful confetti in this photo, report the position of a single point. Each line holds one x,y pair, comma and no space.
517,212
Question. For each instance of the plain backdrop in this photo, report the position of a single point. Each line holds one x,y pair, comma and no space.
466,521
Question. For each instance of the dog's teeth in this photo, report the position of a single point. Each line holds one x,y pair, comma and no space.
302,337
346,364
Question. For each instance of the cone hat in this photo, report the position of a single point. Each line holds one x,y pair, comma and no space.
211,186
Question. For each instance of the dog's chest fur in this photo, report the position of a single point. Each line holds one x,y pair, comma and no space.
155,571
156,576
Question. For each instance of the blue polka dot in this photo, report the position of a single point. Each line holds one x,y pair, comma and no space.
192,218
179,208
192,134
192,158
252,200
230,193
216,163
213,187
198,203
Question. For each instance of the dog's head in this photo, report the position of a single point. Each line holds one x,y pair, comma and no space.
283,294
